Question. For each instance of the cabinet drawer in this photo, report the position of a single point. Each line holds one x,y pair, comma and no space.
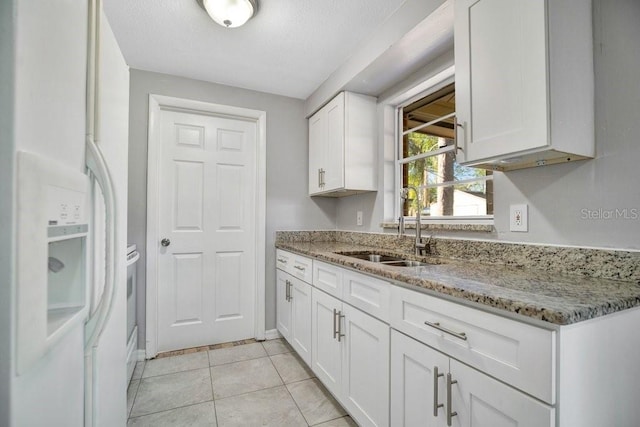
284,259
328,278
296,265
519,354
302,268
367,293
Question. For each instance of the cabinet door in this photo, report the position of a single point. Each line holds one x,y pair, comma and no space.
317,143
365,367
283,308
501,77
334,148
326,360
418,375
479,400
301,319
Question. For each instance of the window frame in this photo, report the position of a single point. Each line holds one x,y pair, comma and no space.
399,133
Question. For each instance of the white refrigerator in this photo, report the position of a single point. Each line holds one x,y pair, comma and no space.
53,104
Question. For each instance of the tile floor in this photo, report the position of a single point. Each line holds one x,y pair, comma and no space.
255,384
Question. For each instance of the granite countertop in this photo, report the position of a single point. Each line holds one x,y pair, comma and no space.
550,297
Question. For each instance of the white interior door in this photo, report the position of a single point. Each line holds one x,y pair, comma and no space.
206,273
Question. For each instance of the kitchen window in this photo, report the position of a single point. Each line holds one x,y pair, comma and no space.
427,162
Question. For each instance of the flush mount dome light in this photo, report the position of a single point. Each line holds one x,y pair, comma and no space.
230,13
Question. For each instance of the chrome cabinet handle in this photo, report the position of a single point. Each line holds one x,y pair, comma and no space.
449,405
319,177
340,334
165,242
461,126
436,405
290,293
282,260
436,325
286,290
322,175
335,330
297,267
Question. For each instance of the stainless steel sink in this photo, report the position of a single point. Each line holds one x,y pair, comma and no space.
389,260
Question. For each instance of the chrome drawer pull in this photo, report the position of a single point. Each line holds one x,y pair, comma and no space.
335,329
436,405
282,260
436,325
286,291
297,267
449,405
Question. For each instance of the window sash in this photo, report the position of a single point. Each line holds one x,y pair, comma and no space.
404,160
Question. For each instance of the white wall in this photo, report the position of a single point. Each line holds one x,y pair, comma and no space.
558,194
288,205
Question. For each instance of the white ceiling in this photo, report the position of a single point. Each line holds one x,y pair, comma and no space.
289,48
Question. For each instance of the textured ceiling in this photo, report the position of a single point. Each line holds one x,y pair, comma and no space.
289,48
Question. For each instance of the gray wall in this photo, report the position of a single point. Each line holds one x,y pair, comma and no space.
288,204
559,195
7,155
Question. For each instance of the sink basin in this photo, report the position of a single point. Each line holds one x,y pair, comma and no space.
373,257
389,260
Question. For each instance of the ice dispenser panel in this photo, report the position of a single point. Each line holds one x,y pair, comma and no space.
52,230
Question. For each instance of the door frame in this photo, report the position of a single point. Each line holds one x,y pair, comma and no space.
157,103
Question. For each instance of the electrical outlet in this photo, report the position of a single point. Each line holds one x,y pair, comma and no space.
359,218
518,218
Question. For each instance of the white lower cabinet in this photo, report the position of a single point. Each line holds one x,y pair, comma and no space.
417,383
283,309
350,355
293,315
430,389
479,400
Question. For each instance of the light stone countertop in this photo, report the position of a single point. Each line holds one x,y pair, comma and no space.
547,296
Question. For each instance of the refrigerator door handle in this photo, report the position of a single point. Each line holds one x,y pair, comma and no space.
98,167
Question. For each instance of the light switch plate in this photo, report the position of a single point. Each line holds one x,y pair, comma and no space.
359,218
518,218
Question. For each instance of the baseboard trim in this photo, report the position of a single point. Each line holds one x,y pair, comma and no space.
272,334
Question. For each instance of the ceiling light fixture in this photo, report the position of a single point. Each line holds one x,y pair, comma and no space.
230,13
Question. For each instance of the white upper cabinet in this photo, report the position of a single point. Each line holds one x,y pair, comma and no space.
524,82
342,146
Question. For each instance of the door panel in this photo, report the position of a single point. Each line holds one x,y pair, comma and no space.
301,319
187,289
207,169
481,401
326,359
365,367
412,383
283,313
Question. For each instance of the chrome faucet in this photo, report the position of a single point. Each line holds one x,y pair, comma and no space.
420,246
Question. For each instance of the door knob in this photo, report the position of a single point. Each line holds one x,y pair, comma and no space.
165,242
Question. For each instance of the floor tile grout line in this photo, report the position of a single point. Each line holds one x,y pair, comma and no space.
213,395
171,409
176,372
235,361
332,419
135,395
289,392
